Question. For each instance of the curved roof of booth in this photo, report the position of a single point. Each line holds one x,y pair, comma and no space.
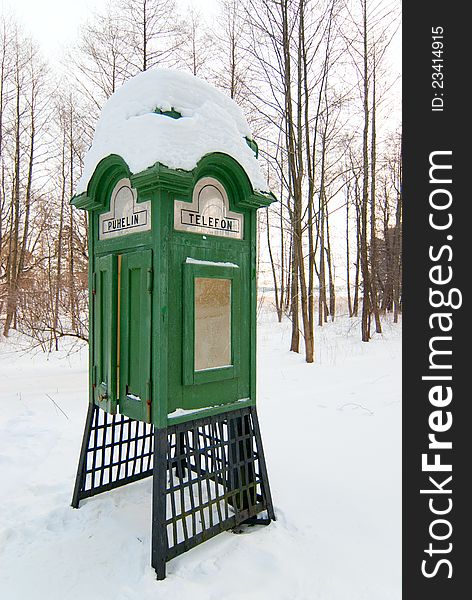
133,126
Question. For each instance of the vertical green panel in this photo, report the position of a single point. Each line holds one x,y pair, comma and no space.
135,334
105,321
188,333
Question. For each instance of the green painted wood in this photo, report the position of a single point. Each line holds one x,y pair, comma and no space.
174,419
252,285
172,113
91,303
108,171
208,389
253,145
156,330
161,361
104,332
135,334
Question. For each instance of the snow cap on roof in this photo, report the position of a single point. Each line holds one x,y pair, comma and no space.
130,126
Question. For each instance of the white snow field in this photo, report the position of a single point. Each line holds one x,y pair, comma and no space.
331,432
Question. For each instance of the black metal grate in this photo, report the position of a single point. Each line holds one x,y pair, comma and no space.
216,478
116,450
209,474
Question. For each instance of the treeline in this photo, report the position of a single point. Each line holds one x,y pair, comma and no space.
316,82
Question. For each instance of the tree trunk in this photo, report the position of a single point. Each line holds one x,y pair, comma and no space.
295,341
332,290
365,326
348,259
373,240
355,307
398,256
59,252
278,305
72,292
12,269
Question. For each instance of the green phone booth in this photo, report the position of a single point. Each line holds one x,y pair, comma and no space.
172,282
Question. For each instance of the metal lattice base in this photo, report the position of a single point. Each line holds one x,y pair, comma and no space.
209,475
116,450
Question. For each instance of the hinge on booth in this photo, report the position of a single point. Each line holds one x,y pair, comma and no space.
149,280
148,401
94,377
94,287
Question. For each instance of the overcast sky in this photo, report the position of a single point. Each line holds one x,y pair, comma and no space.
54,24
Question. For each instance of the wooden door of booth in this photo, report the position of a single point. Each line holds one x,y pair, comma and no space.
122,299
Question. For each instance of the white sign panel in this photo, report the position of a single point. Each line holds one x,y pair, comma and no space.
125,215
209,212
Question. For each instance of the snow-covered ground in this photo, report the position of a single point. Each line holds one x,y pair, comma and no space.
332,435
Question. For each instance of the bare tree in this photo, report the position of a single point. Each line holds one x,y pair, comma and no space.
288,40
100,62
231,68
196,43
149,29
27,81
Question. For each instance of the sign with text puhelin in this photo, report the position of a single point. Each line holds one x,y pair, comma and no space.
125,215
